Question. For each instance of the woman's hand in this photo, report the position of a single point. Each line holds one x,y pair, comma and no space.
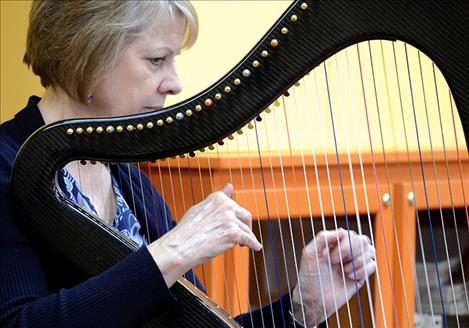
321,290
207,229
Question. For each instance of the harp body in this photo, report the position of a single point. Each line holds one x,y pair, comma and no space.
320,29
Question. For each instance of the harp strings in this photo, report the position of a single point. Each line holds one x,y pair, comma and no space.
386,170
453,211
355,202
435,256
289,219
343,197
323,216
236,250
360,230
380,211
437,186
283,181
298,119
411,176
459,157
259,226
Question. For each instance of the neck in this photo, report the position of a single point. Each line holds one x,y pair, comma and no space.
56,105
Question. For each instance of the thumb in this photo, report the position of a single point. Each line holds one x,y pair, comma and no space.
228,190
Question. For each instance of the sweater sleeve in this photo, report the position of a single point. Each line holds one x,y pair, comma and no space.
125,295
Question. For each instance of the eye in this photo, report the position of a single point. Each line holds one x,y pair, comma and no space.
157,61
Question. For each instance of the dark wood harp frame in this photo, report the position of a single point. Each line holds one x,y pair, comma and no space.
322,28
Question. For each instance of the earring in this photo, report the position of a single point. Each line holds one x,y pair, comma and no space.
89,99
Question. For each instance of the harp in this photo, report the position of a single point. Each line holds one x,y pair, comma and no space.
307,34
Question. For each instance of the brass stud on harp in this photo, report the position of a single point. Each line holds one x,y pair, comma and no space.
268,110
231,137
250,125
277,103
188,112
264,53
297,84
218,96
304,6
211,147
294,18
99,129
179,116
169,120
79,130
110,129
239,132
160,122
227,89
69,132
255,63
198,108
130,128
140,127
208,102
274,43
119,128
150,125
89,130
246,73
284,30
237,81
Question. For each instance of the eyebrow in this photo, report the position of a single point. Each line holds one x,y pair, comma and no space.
164,48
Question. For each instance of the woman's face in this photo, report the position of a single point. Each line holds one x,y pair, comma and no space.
145,73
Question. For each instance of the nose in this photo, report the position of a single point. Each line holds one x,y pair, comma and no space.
171,84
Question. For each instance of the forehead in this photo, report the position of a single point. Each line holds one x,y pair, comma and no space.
164,32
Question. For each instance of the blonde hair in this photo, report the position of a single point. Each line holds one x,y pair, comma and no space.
71,44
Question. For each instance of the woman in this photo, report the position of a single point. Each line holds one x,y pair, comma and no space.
110,58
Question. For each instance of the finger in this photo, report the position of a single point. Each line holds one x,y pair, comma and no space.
243,215
364,272
359,244
247,238
317,245
357,263
244,227
228,190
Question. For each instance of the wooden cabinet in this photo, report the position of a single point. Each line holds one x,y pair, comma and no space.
381,194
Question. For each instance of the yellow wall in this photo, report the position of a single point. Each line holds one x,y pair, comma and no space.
228,30
17,83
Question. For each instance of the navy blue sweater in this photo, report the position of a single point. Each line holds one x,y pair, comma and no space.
38,288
